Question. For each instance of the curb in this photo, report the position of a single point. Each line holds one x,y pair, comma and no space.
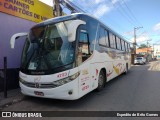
14,96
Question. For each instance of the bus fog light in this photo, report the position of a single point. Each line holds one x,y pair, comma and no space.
70,92
22,81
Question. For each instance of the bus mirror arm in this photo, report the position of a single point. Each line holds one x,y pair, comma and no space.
16,36
72,29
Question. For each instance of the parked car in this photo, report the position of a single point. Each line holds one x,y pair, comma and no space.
140,60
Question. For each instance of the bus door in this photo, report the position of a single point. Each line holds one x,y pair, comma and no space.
83,60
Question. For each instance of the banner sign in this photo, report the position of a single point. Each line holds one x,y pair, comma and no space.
33,10
40,114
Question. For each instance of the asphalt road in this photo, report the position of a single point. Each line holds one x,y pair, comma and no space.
139,90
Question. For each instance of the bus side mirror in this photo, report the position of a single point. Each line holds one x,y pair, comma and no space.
16,36
72,29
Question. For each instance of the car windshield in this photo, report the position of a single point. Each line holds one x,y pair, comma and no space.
138,58
48,48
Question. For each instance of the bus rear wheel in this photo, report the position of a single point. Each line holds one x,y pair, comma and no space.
101,81
126,71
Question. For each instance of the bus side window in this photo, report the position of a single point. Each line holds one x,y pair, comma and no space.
122,43
126,46
83,47
112,40
118,43
129,49
102,40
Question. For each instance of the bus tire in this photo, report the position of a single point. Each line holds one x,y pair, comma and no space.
101,81
126,71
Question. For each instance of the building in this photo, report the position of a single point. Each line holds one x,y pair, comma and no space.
156,49
145,52
17,16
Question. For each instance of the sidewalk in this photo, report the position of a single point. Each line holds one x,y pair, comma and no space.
154,66
13,96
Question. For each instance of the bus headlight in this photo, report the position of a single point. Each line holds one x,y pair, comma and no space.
21,80
66,80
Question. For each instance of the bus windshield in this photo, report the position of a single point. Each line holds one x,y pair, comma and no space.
47,48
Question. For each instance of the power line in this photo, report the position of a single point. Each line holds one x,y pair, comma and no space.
124,15
129,10
79,5
127,13
91,5
155,35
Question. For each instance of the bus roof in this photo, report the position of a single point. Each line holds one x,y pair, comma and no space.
76,16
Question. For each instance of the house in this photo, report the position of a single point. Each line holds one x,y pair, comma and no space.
156,49
145,52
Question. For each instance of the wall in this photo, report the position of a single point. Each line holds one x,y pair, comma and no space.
10,25
157,51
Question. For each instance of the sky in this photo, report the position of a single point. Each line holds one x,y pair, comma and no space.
124,15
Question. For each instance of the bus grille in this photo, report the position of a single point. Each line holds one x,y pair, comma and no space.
39,85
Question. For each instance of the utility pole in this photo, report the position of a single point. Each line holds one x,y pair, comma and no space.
57,10
135,43
148,50
147,46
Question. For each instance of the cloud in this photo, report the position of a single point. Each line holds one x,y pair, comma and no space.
48,2
128,33
101,7
156,27
115,1
142,38
101,10
98,8
99,1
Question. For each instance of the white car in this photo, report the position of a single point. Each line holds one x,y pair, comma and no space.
140,60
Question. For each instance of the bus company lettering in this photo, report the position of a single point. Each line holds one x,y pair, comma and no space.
18,7
84,79
31,2
17,2
85,71
62,75
37,79
85,87
33,10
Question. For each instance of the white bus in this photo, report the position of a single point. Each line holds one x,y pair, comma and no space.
70,56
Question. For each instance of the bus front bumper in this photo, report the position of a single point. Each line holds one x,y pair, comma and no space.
67,91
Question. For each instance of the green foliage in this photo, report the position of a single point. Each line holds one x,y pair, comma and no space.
143,46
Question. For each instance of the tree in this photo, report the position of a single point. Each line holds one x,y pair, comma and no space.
143,46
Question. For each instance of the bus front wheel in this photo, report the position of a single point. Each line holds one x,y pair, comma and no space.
101,81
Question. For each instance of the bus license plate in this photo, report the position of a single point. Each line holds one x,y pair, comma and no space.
38,93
